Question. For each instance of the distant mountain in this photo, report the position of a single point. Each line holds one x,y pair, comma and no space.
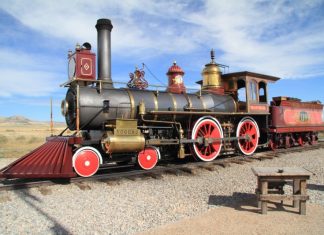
16,119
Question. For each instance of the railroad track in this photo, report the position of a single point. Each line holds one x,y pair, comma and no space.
109,173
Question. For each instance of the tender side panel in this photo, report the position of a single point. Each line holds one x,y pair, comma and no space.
291,115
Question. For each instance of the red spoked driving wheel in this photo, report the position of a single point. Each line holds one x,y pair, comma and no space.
209,131
248,127
86,161
148,158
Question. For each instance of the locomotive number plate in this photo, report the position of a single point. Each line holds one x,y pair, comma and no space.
125,131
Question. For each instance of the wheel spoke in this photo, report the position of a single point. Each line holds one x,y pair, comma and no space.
205,130
201,133
209,129
205,151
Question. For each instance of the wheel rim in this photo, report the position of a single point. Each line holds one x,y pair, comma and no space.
148,158
207,128
248,127
86,162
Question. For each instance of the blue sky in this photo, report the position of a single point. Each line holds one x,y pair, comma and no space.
279,38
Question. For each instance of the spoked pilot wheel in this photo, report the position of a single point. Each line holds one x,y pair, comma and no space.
248,128
86,161
148,158
208,131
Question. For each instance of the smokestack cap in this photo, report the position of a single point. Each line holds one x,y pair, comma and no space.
104,24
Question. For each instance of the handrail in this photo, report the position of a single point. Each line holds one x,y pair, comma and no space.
68,83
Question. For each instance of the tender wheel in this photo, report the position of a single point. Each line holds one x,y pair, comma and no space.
272,145
248,127
206,128
86,161
148,158
300,141
287,142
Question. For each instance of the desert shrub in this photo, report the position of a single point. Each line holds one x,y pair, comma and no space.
321,134
21,138
3,139
32,140
10,130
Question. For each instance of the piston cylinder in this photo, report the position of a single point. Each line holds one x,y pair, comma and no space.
122,143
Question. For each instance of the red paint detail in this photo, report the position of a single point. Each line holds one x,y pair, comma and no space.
263,108
53,159
248,128
86,67
175,75
175,69
85,62
86,163
296,129
147,158
207,128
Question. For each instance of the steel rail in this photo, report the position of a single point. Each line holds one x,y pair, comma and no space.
128,171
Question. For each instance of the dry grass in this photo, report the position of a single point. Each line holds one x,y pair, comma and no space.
321,135
17,139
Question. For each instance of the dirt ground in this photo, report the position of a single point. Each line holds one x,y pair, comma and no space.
245,218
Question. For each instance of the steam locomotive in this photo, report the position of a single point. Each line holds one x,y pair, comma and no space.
230,113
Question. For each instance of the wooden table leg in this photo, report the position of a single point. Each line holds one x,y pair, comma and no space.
302,203
296,190
264,191
259,192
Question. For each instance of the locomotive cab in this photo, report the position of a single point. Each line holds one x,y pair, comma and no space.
249,90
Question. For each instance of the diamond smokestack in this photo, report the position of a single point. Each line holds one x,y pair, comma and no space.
104,28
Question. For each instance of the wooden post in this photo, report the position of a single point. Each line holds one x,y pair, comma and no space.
51,121
296,190
302,203
264,191
259,191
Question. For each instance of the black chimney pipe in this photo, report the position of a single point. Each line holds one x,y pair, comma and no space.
104,28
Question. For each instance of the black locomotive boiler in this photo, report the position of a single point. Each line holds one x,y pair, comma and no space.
230,113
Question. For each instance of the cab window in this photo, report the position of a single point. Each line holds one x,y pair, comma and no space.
241,92
253,91
262,92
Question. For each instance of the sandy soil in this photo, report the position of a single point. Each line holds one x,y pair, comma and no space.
245,218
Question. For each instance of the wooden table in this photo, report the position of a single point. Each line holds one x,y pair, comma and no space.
267,175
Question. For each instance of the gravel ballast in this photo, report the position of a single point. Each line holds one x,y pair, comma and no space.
127,207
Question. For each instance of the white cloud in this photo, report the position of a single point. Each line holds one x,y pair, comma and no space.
74,21
32,74
240,29
27,83
269,37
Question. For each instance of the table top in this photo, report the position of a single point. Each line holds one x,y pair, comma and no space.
280,171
